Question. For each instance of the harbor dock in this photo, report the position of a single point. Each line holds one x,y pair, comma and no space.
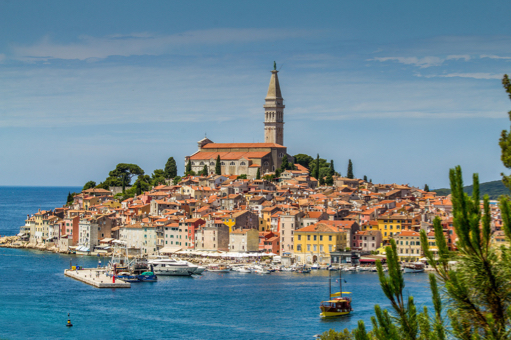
96,277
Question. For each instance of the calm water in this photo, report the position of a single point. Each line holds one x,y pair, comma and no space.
35,297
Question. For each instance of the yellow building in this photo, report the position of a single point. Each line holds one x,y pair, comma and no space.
408,246
315,242
389,225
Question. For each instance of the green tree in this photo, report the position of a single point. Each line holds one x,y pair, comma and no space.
204,171
122,174
350,170
176,180
188,168
284,165
329,180
242,176
258,176
426,188
218,166
170,170
365,178
315,170
332,169
70,198
89,185
303,159
158,177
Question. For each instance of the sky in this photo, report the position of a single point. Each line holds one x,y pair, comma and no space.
405,89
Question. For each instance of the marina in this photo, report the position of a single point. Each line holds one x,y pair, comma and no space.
168,308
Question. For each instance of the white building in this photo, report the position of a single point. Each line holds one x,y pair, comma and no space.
141,236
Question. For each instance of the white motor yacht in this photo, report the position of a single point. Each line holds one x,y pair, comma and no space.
172,267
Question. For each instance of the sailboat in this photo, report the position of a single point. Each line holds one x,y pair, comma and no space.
337,305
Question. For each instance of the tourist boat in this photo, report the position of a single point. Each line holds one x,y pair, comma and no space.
244,270
303,270
172,267
261,271
218,268
315,266
337,305
414,267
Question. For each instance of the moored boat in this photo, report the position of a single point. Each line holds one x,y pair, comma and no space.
337,305
414,267
218,268
172,267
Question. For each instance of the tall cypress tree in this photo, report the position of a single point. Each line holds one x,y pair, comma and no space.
205,170
365,178
426,188
315,172
350,170
218,167
69,198
188,167
258,176
285,163
332,169
170,170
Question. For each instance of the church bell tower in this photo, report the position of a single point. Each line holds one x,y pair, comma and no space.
274,111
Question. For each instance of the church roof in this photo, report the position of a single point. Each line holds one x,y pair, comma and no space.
274,88
226,155
241,145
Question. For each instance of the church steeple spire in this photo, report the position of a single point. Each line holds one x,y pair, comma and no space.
274,111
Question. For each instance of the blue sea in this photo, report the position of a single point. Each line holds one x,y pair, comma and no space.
35,296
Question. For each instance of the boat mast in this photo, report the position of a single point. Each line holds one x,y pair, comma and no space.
340,282
330,284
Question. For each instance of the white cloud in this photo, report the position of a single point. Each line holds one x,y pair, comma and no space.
421,62
476,75
466,57
493,56
148,44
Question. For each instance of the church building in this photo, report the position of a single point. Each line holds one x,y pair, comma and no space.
247,158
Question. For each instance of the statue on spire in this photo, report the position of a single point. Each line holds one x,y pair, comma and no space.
274,66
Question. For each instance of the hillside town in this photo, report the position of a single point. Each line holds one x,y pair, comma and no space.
293,217
249,198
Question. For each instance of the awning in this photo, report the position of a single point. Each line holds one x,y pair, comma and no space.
170,250
106,240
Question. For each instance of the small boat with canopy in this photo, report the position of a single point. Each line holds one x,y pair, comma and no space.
337,305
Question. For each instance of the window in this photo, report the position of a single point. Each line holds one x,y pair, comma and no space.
308,237
315,237
201,163
315,247
232,163
308,247
266,163
222,163
299,247
299,237
330,238
329,247
243,163
321,248
321,237
211,163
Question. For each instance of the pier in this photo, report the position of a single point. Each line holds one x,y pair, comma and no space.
96,277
